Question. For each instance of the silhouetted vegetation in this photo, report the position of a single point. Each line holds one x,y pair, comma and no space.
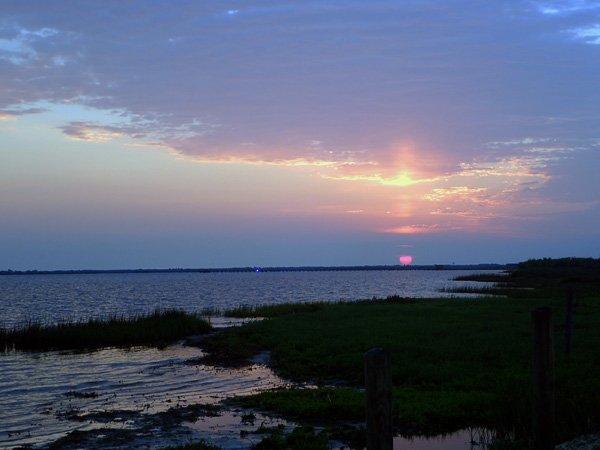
156,329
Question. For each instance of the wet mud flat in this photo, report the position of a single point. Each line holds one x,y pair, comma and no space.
135,398
226,427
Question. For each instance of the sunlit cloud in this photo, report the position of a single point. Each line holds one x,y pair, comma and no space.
457,192
399,180
81,131
414,229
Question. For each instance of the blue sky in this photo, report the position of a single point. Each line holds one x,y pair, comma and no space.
210,134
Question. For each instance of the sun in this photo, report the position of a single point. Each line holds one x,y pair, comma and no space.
405,260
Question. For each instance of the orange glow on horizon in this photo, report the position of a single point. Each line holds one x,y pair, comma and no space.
412,229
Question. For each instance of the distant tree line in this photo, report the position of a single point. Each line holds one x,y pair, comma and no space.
267,269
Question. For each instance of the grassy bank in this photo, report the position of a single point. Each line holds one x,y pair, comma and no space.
156,329
456,362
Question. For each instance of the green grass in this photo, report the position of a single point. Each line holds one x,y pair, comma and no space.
341,403
156,329
455,362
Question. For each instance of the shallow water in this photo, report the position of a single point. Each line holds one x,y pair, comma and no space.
54,298
35,407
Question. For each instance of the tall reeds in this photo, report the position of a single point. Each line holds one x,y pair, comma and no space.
158,328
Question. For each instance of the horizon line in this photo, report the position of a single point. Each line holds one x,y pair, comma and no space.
309,268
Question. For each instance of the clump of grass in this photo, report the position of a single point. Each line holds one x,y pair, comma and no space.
155,329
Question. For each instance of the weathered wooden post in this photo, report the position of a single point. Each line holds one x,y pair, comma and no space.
378,383
569,321
543,379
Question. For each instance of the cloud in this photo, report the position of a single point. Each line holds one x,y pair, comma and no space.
82,131
13,113
392,94
567,7
588,34
22,46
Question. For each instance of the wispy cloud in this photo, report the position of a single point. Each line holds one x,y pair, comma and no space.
8,113
589,34
566,7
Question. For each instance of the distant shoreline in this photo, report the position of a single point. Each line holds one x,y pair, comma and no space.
268,269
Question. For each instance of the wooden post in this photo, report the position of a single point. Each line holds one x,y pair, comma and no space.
569,321
378,383
543,379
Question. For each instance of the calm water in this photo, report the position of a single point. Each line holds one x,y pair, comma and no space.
52,298
129,389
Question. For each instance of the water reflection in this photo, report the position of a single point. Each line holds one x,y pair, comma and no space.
44,396
469,439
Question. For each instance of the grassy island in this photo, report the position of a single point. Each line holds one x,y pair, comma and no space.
457,363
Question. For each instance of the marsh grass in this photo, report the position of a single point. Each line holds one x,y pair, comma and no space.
456,363
276,310
323,404
250,311
155,329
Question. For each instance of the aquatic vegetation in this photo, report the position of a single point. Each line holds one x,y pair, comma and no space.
156,329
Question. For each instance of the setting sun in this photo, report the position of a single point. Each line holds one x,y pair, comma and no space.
405,260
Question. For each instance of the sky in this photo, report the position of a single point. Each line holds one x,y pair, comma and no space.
164,134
